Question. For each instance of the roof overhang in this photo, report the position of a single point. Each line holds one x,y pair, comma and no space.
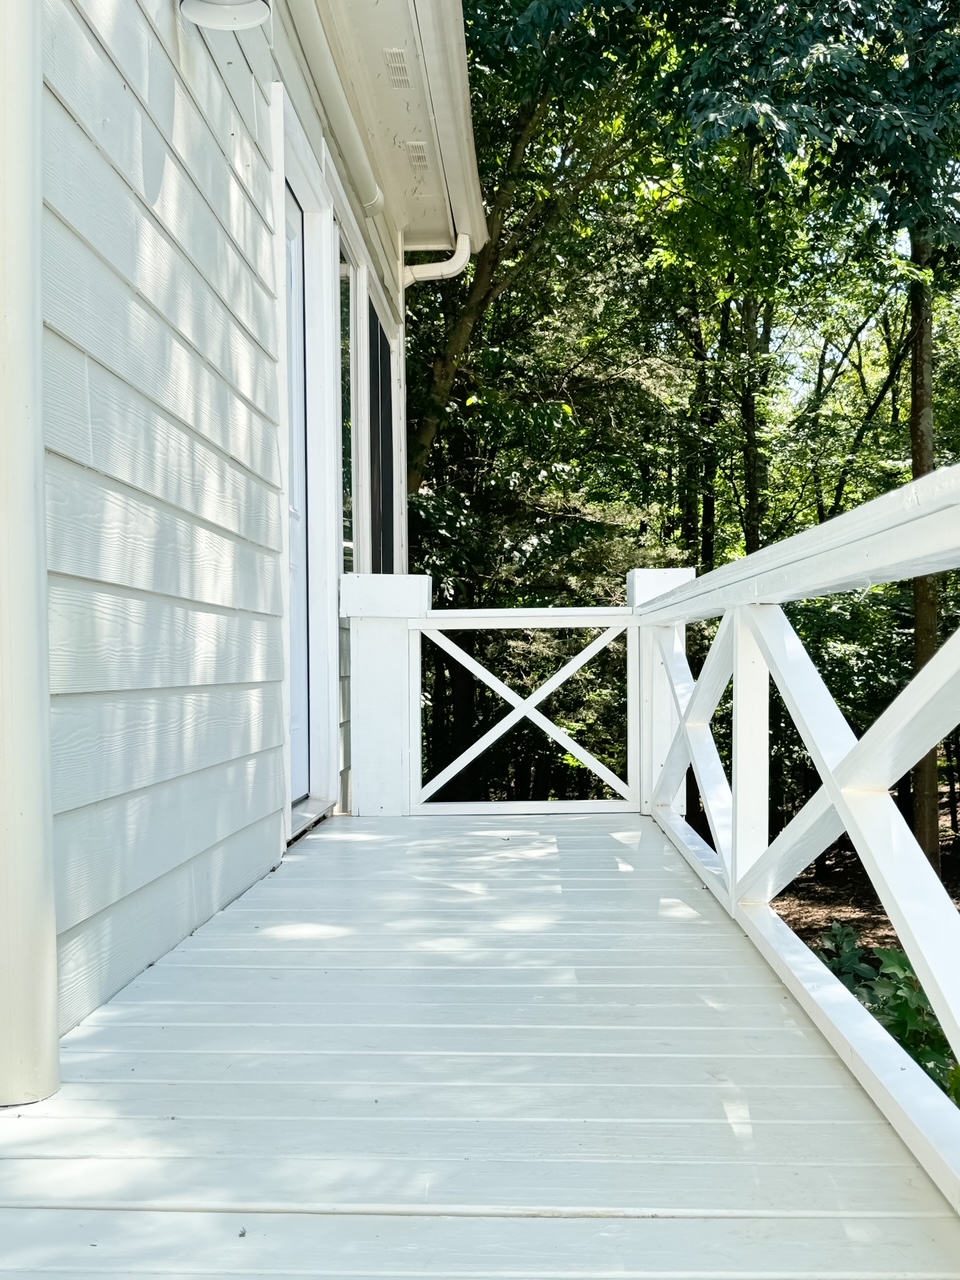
403,67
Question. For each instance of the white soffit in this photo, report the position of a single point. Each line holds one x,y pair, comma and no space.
404,69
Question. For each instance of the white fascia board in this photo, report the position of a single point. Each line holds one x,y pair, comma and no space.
444,46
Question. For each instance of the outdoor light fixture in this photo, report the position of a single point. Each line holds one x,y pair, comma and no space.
226,15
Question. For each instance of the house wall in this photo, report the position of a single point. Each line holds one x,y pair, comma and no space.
165,433
163,481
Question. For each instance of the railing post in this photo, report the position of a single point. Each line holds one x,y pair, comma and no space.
29,1052
652,719
750,781
384,687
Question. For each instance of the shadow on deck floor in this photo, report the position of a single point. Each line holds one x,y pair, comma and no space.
461,1047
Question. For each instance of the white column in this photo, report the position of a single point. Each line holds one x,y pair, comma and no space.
29,1063
384,687
655,721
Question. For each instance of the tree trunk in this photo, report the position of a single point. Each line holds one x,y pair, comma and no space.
690,488
483,290
951,745
754,459
708,410
925,781
463,712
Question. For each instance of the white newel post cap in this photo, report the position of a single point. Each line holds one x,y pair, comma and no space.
385,595
644,585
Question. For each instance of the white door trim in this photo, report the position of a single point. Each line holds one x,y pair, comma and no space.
296,165
297,507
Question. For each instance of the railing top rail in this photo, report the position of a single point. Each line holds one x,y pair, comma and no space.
913,530
513,619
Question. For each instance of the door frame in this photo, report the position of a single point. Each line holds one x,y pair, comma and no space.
297,507
301,170
369,288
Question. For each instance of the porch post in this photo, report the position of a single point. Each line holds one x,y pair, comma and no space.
29,1063
655,720
384,687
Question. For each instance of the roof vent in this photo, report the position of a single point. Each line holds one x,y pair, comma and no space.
397,68
419,161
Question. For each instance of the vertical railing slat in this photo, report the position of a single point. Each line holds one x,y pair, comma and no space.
750,777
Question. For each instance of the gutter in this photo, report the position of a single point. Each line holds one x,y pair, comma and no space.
445,269
335,104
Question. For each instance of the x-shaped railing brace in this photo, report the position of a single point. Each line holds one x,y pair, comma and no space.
524,709
854,796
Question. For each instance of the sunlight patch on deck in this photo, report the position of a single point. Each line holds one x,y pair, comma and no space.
443,1047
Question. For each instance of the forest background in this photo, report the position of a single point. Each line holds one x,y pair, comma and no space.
718,305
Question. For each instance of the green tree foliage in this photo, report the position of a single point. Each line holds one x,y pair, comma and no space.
690,334
550,83
869,92
884,980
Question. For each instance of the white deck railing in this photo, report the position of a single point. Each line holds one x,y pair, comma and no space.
390,618
915,530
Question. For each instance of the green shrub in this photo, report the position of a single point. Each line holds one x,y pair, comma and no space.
884,980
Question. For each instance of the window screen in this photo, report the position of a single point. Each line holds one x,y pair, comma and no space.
381,448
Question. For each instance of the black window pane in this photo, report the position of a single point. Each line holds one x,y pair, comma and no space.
381,448
386,457
376,479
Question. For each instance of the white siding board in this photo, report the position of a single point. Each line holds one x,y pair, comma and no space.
104,745
66,399
191,53
137,444
256,48
93,418
236,76
180,209
143,62
107,850
92,199
106,639
102,954
98,531
164,514
89,305
79,71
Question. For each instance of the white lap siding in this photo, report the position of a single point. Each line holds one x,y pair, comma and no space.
163,475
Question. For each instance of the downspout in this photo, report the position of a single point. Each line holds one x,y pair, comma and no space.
443,270
29,1050
317,49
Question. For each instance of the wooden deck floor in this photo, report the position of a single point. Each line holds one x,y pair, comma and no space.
464,1048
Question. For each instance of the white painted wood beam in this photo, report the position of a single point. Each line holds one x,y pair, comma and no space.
384,688
917,1108
694,714
909,531
801,840
527,707
701,703
918,718
523,708
29,1062
919,908
751,750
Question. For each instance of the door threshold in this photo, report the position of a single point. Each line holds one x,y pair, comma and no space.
304,815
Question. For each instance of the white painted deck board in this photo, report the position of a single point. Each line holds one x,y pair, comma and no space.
405,1055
